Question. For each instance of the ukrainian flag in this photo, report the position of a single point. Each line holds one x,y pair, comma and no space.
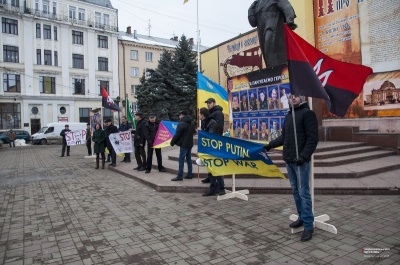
206,88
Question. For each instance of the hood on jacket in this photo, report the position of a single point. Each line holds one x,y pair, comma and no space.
187,119
215,108
302,105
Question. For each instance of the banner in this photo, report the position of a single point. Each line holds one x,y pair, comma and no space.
224,156
121,142
166,130
75,137
107,102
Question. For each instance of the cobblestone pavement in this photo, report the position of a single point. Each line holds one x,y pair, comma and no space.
62,211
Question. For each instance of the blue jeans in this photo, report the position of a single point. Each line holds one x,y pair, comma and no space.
185,153
301,195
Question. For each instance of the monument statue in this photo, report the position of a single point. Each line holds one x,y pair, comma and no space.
269,17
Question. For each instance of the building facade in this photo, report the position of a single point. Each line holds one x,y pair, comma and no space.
55,57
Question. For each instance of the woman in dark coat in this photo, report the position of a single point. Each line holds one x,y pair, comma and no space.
99,138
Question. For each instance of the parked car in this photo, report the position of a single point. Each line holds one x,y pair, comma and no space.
19,134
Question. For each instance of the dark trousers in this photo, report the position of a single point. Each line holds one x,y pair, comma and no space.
150,157
113,155
13,143
89,147
140,155
127,157
216,181
63,149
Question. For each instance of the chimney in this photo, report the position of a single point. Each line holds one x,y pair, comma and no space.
135,34
191,42
128,30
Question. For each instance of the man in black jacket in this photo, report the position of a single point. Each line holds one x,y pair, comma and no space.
298,161
64,141
139,141
209,124
216,114
150,130
184,138
110,129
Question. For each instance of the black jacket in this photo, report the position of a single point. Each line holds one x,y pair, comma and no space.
63,135
139,138
185,131
218,116
307,134
150,130
109,130
209,125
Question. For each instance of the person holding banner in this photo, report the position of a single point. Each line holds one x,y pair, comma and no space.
123,127
110,128
64,140
99,138
139,141
298,158
209,124
150,131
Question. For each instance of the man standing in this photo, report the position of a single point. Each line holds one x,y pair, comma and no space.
150,130
208,124
139,141
110,129
216,114
11,137
298,166
89,139
123,127
184,138
64,141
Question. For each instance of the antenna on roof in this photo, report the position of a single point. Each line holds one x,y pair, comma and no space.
149,26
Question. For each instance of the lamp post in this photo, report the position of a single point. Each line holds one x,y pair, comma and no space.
117,100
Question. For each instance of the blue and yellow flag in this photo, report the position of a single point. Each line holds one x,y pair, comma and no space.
225,156
206,88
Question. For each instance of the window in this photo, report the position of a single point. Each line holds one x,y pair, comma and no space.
106,19
9,26
134,55
47,85
77,37
54,8
46,6
134,71
84,115
63,110
147,73
102,41
55,58
38,30
105,84
77,61
55,33
47,32
133,89
15,3
149,56
134,107
11,83
36,5
38,56
10,114
10,54
81,14
72,12
79,86
97,19
47,57
103,64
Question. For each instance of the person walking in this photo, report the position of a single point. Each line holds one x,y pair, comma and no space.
64,141
184,139
150,130
139,141
209,124
99,139
11,137
298,166
89,139
110,129
123,127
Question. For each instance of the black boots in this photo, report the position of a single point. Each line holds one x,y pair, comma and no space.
103,161
297,223
97,163
307,235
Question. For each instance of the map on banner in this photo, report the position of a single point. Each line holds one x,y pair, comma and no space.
75,137
121,142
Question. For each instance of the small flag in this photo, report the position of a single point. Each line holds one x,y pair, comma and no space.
129,113
107,101
185,1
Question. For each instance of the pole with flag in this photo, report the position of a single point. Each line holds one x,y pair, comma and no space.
107,101
129,113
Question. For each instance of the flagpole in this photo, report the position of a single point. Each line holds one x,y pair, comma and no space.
198,38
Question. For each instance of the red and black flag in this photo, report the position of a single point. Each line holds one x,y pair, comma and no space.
107,101
314,74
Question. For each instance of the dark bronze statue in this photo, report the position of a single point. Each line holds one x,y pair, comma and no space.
269,16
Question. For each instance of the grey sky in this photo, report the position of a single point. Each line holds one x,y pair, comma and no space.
220,20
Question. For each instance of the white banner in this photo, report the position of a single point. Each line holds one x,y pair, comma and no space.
76,137
121,142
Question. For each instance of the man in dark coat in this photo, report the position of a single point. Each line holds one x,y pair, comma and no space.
89,139
269,16
150,131
139,141
209,124
216,114
110,129
184,138
64,141
298,166
123,127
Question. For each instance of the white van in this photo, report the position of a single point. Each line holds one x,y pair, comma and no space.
51,132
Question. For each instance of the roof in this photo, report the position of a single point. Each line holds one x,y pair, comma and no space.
151,40
105,3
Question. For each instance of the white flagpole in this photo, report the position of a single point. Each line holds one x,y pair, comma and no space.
198,38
